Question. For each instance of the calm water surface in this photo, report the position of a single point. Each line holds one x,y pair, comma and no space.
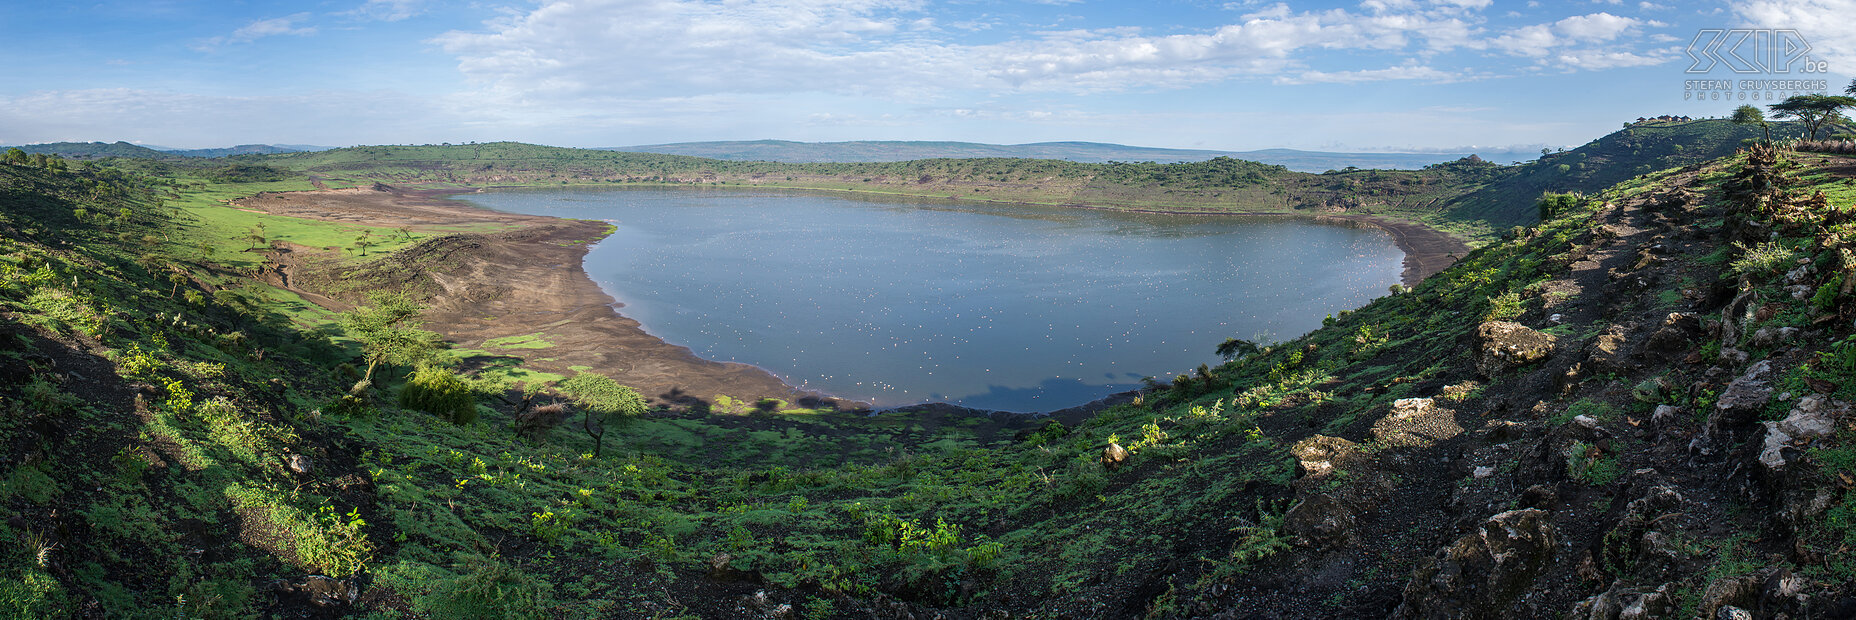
999,307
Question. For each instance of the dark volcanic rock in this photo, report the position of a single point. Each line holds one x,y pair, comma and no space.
1608,354
1626,603
1627,538
1736,409
1320,521
1484,573
1320,455
1502,346
1416,422
1114,455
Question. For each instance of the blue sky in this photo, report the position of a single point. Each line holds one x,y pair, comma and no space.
1372,75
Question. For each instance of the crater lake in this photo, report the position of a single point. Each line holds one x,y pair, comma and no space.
897,301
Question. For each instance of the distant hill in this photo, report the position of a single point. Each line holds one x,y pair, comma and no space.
93,150
242,149
1471,197
1640,148
870,151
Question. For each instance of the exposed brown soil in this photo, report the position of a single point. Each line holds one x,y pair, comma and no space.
525,281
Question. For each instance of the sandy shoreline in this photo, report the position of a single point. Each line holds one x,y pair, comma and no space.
532,280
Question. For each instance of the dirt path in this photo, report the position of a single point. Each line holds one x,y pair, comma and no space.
528,281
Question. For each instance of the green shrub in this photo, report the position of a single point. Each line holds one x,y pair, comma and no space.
325,541
246,439
1551,205
1763,259
1826,297
1585,407
1586,463
32,593
488,589
247,173
1084,478
1503,307
440,392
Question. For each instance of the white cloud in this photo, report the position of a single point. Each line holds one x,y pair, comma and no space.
183,119
1568,43
388,10
1825,24
259,29
1594,27
1407,72
645,48
1533,40
584,54
1386,6
1596,60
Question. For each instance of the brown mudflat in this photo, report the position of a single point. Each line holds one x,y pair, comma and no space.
523,281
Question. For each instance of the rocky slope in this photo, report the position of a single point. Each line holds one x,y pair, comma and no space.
1639,409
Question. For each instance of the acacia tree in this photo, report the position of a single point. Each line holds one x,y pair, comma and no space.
604,401
364,241
256,235
1814,111
1751,116
1233,348
389,332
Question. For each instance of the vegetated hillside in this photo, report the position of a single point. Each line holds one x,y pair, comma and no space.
1470,197
1217,185
1086,152
93,150
1639,148
122,353
242,149
1641,404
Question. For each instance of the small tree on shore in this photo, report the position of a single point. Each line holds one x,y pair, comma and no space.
604,401
256,235
1233,348
364,241
389,332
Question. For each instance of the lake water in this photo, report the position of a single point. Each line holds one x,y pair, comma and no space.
898,301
